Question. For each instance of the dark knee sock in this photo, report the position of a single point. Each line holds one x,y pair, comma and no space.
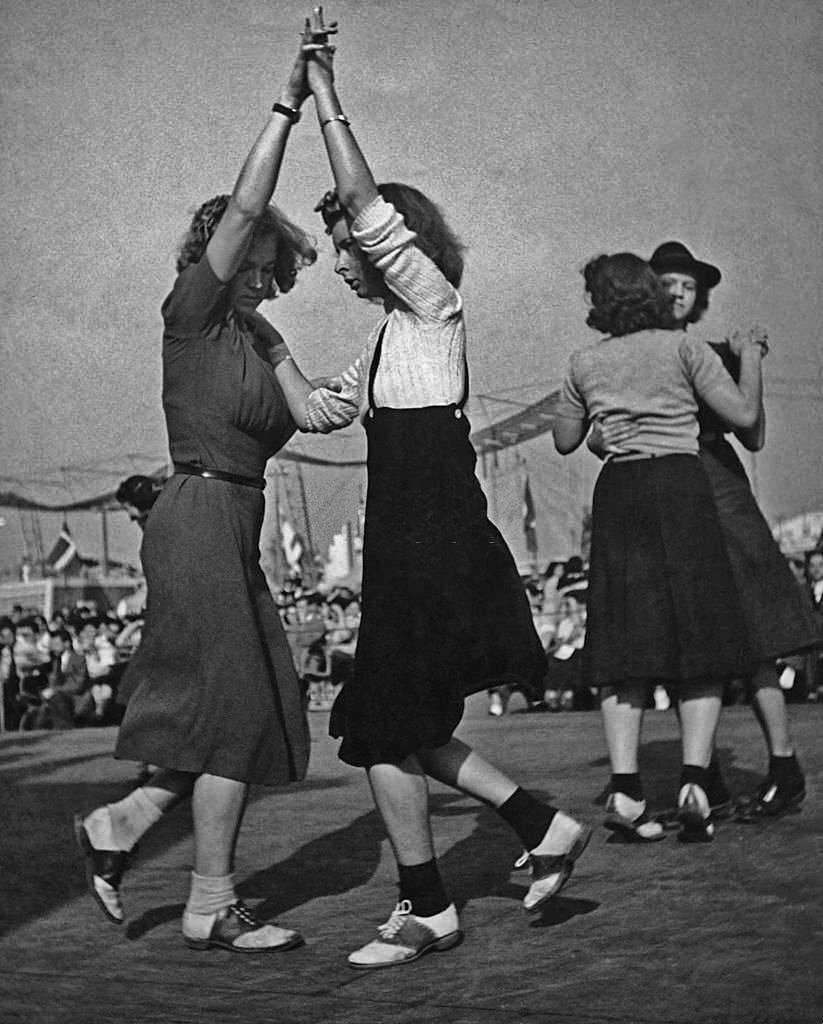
784,768
629,784
422,886
529,818
693,774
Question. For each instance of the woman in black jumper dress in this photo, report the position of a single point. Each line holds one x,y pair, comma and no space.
214,701
444,611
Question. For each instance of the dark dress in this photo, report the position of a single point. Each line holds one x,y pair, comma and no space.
444,612
778,620
212,687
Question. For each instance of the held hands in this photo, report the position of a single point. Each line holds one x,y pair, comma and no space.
319,52
610,435
755,336
314,49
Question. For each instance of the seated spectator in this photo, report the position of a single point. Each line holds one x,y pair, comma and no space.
31,660
101,658
67,699
564,685
9,681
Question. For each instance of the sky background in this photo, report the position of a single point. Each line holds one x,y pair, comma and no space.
549,130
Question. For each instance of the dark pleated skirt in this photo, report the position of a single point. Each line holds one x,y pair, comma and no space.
212,687
444,611
662,600
778,620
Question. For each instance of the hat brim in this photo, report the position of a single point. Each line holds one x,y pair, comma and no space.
706,273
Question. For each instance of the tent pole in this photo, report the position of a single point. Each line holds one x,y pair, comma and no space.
105,527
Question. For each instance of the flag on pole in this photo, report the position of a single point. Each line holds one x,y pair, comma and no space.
529,520
292,545
64,556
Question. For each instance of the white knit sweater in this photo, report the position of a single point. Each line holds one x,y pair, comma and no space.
424,345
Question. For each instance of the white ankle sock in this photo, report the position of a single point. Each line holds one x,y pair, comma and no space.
131,818
210,893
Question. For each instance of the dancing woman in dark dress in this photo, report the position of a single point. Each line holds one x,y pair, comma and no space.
215,702
444,611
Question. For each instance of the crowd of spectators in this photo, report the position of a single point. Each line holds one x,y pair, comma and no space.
64,673
558,601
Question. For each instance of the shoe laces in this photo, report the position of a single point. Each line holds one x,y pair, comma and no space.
396,920
243,913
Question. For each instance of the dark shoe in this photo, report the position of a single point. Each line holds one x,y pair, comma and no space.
404,938
695,815
773,800
550,873
104,872
629,819
236,928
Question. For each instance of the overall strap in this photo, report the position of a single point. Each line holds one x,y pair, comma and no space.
461,404
375,360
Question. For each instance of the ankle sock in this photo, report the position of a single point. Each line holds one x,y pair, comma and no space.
529,818
629,784
694,775
131,818
210,893
422,885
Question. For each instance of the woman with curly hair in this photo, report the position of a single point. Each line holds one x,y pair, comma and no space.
662,602
444,613
215,702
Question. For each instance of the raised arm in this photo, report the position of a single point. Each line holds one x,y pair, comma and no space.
356,186
258,176
752,438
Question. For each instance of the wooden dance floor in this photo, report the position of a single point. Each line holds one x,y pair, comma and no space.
664,934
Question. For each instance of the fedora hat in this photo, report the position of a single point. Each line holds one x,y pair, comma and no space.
674,257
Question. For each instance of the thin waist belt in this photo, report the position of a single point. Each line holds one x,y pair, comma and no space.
635,456
214,474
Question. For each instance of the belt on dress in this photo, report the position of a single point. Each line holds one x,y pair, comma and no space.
215,474
632,456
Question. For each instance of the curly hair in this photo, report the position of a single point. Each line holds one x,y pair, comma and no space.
422,216
295,248
626,295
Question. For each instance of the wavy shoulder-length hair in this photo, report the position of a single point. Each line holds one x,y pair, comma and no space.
422,216
425,218
295,248
626,295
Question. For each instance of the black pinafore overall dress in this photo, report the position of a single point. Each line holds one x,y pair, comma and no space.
444,612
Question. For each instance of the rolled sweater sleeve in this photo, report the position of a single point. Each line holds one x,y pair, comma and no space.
328,410
382,234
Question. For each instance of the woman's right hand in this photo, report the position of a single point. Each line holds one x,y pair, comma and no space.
609,435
